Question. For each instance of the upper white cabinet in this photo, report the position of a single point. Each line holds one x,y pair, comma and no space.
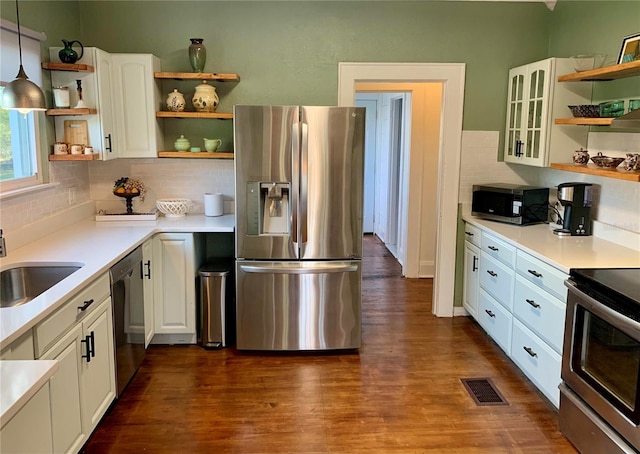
121,97
534,98
136,95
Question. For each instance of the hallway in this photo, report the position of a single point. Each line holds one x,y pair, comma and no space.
401,394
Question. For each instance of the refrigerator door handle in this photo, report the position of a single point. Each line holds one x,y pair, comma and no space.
304,161
295,182
297,269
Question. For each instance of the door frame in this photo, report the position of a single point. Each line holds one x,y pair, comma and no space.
452,77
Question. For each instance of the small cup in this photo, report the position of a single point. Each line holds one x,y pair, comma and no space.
195,149
77,148
88,150
60,148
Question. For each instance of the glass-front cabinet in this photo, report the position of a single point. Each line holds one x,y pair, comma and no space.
533,97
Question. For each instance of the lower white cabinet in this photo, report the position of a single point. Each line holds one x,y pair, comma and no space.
471,274
174,292
80,336
29,431
495,319
147,285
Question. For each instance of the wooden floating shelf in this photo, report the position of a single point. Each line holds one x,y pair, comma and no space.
195,155
607,73
74,157
218,115
68,67
82,111
584,121
197,76
592,169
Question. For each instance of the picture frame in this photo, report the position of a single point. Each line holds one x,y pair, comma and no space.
630,50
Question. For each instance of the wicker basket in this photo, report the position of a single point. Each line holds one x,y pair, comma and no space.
173,208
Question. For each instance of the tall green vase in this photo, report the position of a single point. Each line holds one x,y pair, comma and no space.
197,54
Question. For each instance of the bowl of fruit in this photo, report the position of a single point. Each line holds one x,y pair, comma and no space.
129,188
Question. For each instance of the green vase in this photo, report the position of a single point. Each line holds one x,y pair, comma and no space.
197,54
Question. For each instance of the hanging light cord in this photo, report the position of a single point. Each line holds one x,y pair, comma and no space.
19,34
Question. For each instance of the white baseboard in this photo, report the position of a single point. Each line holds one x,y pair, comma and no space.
50,225
427,269
459,311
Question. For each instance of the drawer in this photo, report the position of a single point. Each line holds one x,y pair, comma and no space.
542,274
495,320
498,249
541,312
472,234
497,279
54,326
538,362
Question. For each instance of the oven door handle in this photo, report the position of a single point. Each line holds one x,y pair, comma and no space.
621,322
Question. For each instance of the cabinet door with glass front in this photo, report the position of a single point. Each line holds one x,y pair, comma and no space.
528,113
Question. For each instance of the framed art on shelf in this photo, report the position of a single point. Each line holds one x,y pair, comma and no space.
630,50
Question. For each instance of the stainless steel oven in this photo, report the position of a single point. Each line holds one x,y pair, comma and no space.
599,396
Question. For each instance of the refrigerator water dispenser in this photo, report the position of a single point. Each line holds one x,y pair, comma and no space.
268,208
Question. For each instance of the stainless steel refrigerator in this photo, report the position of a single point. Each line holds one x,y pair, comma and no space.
299,184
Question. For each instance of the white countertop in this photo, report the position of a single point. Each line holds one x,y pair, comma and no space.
20,381
562,252
94,245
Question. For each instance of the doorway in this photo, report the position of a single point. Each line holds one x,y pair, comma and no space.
451,76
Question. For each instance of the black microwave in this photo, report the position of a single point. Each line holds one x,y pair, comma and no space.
511,203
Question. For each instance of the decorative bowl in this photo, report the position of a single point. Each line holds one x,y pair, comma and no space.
585,111
173,208
606,161
587,62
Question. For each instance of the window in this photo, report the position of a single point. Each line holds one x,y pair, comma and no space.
20,163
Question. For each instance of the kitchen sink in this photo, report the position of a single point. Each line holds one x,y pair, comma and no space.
21,284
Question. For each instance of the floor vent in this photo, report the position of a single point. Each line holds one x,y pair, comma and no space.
483,391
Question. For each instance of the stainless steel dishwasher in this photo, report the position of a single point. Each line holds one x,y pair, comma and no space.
128,316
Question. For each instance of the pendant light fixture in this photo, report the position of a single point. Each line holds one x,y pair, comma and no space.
22,94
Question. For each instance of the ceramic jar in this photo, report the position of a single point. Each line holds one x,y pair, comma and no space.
581,156
197,54
205,98
67,54
182,143
175,101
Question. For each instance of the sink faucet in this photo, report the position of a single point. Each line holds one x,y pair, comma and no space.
3,246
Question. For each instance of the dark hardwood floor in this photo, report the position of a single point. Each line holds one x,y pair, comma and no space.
400,394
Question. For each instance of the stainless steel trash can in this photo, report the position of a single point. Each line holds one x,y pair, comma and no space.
216,311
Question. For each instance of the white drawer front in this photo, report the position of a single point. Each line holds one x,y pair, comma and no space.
543,275
472,234
504,252
495,320
539,362
57,323
541,312
497,279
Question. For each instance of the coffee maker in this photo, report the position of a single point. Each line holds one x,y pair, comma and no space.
576,199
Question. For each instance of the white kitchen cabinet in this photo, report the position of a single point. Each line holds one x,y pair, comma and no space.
29,431
136,95
21,348
534,98
174,287
80,336
471,269
495,319
68,430
497,279
147,282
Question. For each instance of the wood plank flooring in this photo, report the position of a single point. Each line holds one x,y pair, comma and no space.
400,394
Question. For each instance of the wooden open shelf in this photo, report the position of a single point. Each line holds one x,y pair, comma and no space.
592,169
67,67
197,155
82,111
607,73
584,121
218,115
74,157
197,76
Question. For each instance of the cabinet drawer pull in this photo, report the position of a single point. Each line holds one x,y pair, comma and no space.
93,344
468,234
491,314
492,274
475,263
535,273
86,305
148,273
87,342
531,352
533,303
108,147
493,248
